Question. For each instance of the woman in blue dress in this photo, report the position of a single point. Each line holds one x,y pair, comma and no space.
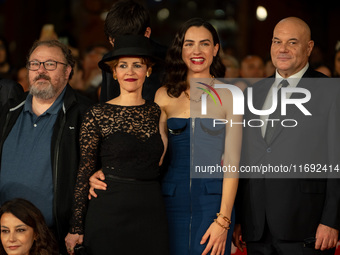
199,205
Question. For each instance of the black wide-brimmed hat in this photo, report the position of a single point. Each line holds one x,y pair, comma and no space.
128,45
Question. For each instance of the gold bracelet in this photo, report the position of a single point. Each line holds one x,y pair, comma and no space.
224,217
226,228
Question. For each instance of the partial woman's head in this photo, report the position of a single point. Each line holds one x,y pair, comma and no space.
4,51
337,60
291,46
23,226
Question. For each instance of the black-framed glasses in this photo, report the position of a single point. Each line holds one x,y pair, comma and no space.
49,65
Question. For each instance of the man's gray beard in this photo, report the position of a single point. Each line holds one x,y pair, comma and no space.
44,94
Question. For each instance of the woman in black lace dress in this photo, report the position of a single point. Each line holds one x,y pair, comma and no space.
122,136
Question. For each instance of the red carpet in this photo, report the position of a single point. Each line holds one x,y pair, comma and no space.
235,251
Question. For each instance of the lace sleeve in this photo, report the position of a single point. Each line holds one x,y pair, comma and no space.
89,150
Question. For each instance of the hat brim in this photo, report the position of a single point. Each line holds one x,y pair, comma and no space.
129,52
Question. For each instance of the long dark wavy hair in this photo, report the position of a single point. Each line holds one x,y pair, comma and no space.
45,243
176,70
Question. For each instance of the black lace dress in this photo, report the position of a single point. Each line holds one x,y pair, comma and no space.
129,216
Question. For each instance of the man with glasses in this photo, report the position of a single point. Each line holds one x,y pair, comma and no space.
39,137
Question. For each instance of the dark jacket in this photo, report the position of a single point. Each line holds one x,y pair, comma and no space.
64,152
9,90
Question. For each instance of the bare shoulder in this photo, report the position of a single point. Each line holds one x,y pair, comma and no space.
162,91
225,94
161,96
227,98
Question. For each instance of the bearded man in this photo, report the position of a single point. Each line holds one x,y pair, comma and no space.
39,137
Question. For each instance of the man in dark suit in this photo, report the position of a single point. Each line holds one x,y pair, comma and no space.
291,215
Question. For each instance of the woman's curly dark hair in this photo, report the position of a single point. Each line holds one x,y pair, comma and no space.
45,243
176,69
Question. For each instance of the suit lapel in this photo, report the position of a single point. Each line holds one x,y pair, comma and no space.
307,83
260,91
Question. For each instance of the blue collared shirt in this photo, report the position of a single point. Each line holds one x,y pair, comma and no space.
26,169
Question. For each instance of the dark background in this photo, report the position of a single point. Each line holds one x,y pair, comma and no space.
81,22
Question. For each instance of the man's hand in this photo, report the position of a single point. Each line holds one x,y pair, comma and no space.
326,237
237,237
96,182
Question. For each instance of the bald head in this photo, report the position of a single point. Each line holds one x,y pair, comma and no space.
297,23
291,46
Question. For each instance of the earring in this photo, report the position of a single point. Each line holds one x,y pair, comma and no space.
114,76
147,74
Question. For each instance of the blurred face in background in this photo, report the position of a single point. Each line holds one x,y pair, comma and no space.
252,67
90,63
23,78
269,68
3,54
337,64
232,69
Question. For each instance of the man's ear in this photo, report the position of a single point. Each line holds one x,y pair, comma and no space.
68,71
147,32
112,41
310,47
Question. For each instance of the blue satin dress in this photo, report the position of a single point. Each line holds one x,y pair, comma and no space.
192,203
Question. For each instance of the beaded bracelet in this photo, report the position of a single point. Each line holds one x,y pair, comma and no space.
226,228
224,217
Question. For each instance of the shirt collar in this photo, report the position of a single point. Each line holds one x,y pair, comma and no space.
293,79
28,104
54,108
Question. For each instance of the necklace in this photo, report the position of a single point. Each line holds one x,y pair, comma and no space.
200,98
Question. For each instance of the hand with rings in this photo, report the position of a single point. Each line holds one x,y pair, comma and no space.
71,240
